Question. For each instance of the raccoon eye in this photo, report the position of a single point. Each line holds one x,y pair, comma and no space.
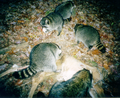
47,22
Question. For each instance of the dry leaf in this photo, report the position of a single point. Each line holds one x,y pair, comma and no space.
8,33
20,21
74,53
17,27
11,51
25,38
104,36
110,52
96,52
106,66
19,82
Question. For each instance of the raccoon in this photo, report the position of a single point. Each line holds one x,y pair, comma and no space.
77,86
52,21
89,36
65,9
42,58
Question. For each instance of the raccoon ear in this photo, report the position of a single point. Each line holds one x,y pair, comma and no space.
47,21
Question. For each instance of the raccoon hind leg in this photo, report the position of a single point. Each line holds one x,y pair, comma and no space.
67,20
87,44
89,48
54,68
59,29
78,41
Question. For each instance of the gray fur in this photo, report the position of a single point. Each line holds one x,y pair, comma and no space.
42,58
52,21
89,36
65,9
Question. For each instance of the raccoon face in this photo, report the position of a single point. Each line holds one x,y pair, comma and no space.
45,22
52,21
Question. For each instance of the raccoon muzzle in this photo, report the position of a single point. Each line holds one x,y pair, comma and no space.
101,47
25,73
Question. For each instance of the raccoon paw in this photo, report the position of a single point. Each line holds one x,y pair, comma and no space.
89,48
58,70
59,29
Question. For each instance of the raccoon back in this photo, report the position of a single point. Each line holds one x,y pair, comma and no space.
42,58
67,6
89,36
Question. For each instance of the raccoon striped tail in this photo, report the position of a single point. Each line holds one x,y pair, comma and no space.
25,73
101,47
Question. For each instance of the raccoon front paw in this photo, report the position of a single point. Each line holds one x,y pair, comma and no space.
59,29
58,70
89,48
78,41
44,30
58,33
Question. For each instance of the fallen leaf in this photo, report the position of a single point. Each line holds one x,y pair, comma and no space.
8,33
19,82
95,52
25,38
20,21
106,66
17,27
104,36
110,52
11,51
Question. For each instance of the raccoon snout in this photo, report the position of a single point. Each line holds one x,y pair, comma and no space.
44,30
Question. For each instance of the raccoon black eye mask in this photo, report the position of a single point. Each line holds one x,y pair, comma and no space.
89,36
52,21
42,58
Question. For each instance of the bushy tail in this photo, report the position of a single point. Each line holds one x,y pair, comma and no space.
101,47
25,73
